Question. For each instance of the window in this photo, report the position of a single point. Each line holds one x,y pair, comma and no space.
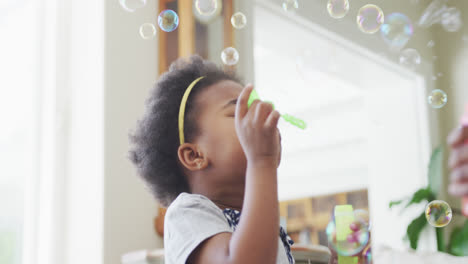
18,133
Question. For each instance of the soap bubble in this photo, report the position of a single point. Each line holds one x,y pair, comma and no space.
290,5
451,20
370,18
205,11
437,98
432,14
206,7
132,5
238,20
397,31
438,213
362,216
410,58
168,20
348,240
338,8
367,256
147,31
230,56
465,38
431,44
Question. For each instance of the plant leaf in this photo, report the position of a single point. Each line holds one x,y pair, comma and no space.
393,203
420,195
440,239
435,170
414,230
459,241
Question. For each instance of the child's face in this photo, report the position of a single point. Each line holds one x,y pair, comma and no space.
218,138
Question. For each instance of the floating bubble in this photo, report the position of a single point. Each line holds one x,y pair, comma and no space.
205,11
433,13
132,5
451,20
430,44
338,8
397,31
350,240
290,5
206,7
465,38
238,20
370,18
362,216
168,20
147,31
410,58
367,256
439,74
438,213
437,98
230,56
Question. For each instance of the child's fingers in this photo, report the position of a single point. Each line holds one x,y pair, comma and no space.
458,156
458,189
262,111
272,119
241,106
458,136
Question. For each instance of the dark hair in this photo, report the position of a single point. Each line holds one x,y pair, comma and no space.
156,137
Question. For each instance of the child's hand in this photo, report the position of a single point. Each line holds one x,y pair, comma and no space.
458,162
256,128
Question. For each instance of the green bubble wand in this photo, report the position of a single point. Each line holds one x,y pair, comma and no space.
288,118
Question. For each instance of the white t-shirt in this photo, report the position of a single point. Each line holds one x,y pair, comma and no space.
191,219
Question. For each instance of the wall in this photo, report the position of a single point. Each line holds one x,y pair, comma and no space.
130,71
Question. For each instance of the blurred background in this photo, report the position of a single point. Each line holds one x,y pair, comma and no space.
75,75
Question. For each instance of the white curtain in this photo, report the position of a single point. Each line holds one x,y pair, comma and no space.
51,144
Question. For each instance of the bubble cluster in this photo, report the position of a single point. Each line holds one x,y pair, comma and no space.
132,5
338,8
410,58
397,30
168,20
147,31
290,5
370,18
230,56
451,20
438,213
349,240
239,20
437,98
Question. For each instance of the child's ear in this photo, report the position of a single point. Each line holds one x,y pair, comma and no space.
191,157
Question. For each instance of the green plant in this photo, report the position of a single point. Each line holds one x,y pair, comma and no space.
458,242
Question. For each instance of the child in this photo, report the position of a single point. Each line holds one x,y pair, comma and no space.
213,160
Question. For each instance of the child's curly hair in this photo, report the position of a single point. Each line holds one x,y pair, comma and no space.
156,137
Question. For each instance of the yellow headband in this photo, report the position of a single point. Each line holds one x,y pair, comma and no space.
182,109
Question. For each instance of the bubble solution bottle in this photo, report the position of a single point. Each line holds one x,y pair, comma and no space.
464,123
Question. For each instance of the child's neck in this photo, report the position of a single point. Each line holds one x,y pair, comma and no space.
224,198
